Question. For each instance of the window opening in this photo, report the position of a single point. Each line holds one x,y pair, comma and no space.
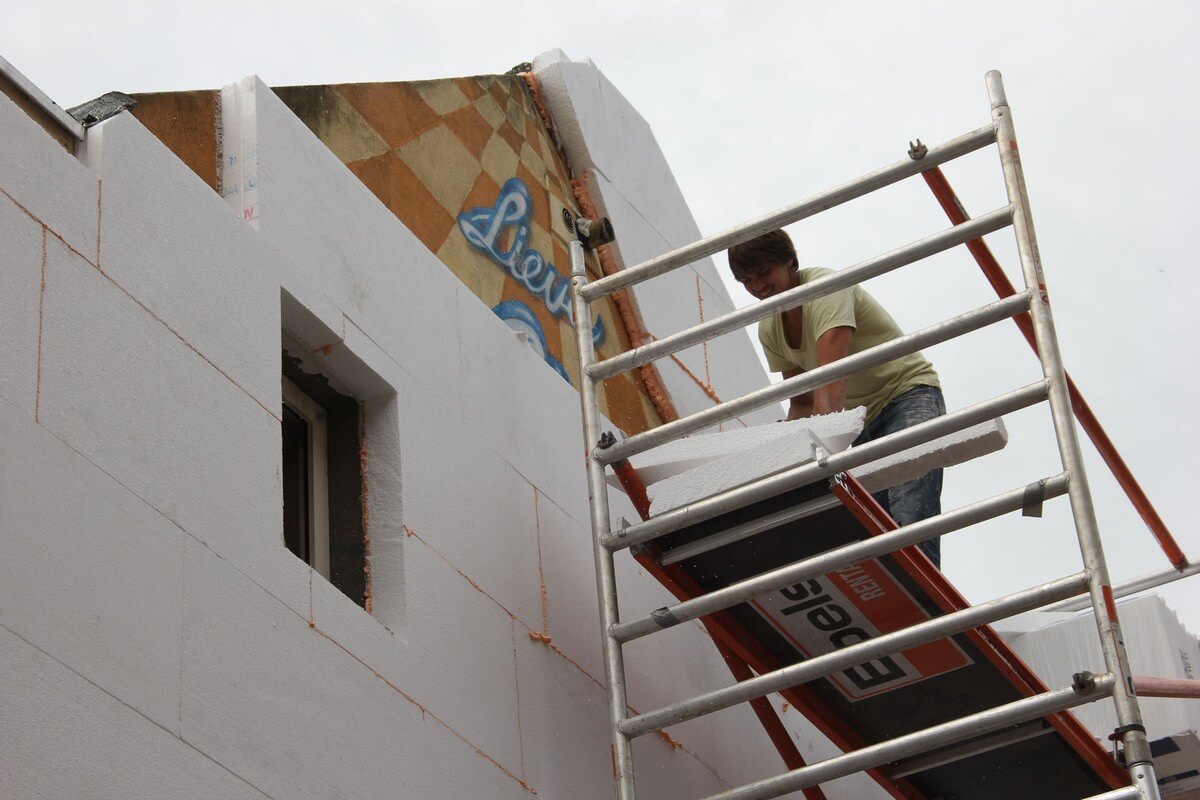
306,478
322,478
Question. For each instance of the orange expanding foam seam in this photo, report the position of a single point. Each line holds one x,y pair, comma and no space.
517,692
363,457
704,344
655,388
537,520
37,392
624,303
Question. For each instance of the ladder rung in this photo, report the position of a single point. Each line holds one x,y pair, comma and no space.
897,641
948,151
922,741
835,559
850,276
816,470
807,381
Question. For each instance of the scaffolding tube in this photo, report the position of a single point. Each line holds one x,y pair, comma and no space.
967,143
606,579
833,560
842,279
887,644
1108,627
948,733
807,381
1166,687
1151,581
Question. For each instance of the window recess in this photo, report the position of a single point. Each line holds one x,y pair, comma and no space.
322,478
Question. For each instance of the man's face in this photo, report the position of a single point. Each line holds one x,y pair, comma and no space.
771,279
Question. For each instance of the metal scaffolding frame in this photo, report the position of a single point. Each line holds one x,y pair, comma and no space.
1031,309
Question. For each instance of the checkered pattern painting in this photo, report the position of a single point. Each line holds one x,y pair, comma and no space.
468,166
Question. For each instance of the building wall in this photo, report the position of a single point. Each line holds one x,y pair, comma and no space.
158,639
468,166
450,157
612,149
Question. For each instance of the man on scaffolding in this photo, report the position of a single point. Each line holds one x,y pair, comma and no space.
897,394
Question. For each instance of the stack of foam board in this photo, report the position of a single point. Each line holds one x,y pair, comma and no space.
1057,645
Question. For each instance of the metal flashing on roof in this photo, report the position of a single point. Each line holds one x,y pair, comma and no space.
39,98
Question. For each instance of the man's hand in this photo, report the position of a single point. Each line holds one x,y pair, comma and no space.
802,404
832,345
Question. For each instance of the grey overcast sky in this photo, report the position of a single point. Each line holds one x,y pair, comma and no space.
757,104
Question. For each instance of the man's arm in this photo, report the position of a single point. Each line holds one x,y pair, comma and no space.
802,404
832,345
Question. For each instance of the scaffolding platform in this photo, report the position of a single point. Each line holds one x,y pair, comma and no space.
823,599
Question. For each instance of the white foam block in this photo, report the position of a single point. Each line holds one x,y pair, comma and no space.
837,431
62,736
632,183
171,242
20,276
88,572
1155,639
796,448
955,448
344,243
131,397
48,181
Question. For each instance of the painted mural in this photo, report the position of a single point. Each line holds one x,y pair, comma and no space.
501,232
468,166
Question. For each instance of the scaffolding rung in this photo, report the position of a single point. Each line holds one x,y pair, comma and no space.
822,201
816,470
804,671
835,559
880,265
807,381
922,741
1151,581
1124,793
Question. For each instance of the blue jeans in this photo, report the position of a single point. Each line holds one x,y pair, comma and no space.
922,497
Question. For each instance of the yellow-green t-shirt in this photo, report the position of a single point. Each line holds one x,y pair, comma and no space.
854,308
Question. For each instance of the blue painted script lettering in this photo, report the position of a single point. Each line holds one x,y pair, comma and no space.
484,228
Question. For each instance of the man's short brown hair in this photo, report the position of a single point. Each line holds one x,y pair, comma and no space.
749,258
